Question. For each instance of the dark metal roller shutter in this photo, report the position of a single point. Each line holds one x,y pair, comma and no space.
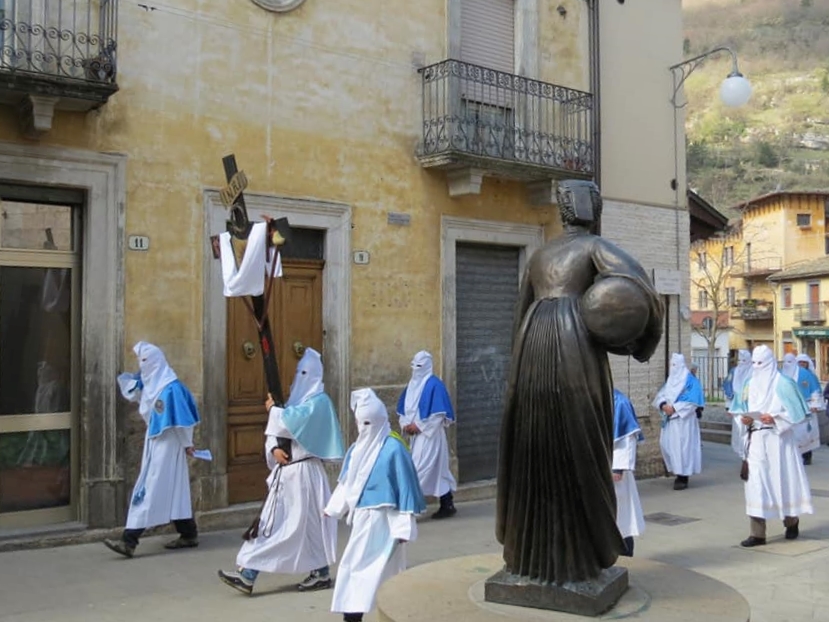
487,281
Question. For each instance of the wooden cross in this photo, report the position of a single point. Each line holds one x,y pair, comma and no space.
239,227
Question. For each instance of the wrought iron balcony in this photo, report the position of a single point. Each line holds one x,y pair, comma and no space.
58,53
504,124
811,313
753,309
758,267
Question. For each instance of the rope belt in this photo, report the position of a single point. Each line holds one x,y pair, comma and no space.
253,531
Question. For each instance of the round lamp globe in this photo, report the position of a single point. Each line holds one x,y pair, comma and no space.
735,90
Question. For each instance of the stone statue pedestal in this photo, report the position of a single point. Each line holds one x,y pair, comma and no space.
585,598
453,589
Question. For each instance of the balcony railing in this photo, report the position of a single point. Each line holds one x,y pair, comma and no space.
811,313
758,267
70,40
493,119
753,309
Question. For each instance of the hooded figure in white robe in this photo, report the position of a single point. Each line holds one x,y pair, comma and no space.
734,385
678,401
807,433
777,486
291,535
626,436
162,491
379,491
425,411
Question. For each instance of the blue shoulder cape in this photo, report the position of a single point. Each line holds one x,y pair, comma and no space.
728,384
433,401
174,408
807,382
393,480
624,417
692,392
315,426
789,395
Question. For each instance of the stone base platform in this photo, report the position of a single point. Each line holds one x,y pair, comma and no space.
453,589
584,598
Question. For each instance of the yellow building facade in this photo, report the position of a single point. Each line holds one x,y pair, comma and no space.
801,320
765,271
415,154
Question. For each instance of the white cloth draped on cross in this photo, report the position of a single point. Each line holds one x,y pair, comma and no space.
248,278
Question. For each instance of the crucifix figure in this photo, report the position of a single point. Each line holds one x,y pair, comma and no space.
245,238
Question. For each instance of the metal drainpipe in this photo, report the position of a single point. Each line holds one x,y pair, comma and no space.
596,89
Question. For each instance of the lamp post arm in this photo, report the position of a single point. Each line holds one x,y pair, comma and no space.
682,70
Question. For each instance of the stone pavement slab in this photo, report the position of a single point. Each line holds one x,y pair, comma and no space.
783,582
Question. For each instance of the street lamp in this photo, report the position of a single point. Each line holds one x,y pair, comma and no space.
735,90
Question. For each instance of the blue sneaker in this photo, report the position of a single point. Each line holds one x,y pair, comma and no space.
237,581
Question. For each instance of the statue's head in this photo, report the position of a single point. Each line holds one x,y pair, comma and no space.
579,201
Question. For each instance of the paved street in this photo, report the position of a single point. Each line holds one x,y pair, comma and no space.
783,582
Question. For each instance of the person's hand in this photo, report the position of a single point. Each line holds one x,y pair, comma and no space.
617,477
269,403
746,420
190,451
767,419
280,456
668,409
411,429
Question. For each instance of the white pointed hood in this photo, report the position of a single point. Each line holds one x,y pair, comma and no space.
308,379
675,384
763,385
373,429
156,374
789,365
422,370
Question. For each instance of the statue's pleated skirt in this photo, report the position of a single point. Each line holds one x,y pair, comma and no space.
556,503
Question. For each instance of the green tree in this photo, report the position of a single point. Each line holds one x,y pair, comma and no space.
696,155
766,156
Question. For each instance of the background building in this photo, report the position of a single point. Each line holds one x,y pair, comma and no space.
415,156
801,317
766,271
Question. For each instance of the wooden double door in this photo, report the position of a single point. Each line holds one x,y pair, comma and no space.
295,312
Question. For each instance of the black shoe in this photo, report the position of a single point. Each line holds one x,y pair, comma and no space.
752,541
119,546
680,483
445,512
315,581
793,531
236,581
807,458
182,543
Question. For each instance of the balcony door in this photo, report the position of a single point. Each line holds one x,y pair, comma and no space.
40,259
488,104
814,295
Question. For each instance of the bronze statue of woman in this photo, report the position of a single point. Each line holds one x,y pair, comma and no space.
581,297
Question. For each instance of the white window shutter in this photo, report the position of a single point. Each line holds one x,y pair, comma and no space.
488,33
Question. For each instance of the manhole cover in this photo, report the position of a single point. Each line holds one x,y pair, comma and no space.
669,520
